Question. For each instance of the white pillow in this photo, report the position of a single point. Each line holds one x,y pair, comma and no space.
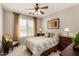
51,34
47,34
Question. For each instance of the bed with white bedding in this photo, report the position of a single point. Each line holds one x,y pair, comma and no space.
37,45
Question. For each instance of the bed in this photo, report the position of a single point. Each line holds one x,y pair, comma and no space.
37,45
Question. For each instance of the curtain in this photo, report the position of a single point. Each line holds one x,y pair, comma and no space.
35,25
16,27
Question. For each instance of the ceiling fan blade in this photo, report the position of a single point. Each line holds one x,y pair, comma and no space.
45,7
42,12
30,9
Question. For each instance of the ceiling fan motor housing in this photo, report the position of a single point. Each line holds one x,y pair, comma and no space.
36,7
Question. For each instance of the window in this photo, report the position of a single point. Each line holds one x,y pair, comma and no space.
30,27
26,26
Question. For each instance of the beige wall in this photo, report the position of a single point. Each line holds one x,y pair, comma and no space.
8,22
68,18
1,19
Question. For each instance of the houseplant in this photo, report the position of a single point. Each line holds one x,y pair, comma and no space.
5,45
76,42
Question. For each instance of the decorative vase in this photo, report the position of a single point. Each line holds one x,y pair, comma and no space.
76,47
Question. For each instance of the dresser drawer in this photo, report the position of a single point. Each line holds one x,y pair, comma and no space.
64,42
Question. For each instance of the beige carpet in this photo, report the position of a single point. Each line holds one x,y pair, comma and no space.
22,51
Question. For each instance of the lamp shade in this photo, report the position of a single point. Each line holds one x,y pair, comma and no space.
67,29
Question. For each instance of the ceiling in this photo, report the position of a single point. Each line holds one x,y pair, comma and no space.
20,7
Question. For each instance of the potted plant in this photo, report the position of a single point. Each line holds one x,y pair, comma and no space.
76,42
5,45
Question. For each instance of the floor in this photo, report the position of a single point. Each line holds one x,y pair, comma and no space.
22,51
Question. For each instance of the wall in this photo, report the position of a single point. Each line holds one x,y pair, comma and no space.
69,18
8,22
1,18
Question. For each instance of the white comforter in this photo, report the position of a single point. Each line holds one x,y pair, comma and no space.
38,45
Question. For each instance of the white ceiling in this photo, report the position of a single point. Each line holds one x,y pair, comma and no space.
20,7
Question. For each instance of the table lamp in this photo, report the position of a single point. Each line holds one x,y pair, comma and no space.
67,30
40,30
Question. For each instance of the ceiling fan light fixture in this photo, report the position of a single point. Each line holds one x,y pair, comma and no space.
33,10
35,13
39,12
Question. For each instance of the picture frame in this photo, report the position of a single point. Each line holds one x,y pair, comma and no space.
53,24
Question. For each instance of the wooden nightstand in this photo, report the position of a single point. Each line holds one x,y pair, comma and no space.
64,42
40,34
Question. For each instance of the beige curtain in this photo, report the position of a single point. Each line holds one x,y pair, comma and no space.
16,26
35,26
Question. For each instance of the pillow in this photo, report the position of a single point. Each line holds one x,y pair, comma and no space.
47,34
51,34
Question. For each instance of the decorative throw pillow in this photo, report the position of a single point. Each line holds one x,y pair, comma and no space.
51,34
47,34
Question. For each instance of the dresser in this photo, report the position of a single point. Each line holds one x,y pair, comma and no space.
69,51
64,42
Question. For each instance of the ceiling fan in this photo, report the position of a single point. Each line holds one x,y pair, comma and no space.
37,9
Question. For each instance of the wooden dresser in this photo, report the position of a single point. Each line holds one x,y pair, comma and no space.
69,51
64,42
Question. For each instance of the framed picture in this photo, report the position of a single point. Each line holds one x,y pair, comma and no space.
53,24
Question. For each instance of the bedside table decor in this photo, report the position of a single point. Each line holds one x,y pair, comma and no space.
76,48
76,42
47,34
67,30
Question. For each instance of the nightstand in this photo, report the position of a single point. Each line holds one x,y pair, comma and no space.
64,42
40,34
